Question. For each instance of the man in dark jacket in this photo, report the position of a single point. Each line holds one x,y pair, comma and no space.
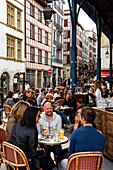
86,138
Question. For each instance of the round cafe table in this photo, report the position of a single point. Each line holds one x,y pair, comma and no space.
52,142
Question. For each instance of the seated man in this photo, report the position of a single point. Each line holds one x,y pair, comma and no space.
50,120
70,101
86,138
49,98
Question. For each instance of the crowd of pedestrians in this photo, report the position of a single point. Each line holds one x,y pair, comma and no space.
35,109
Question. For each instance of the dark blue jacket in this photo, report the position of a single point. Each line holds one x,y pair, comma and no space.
86,139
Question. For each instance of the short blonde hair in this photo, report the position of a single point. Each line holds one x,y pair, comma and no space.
49,96
19,108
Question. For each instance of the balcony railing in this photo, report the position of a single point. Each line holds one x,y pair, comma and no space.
59,46
57,60
59,10
58,26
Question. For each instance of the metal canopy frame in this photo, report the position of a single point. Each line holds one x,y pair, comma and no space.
103,19
105,11
101,12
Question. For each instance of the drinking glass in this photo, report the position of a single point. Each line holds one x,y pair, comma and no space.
54,129
61,135
46,133
43,129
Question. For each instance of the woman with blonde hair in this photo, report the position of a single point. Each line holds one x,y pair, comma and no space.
16,114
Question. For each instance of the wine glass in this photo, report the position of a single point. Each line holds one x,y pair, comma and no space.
46,133
43,129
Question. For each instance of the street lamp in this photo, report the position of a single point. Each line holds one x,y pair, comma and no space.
107,54
48,11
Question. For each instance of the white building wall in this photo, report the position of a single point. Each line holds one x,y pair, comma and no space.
6,65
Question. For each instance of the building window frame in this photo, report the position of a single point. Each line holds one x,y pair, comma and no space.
32,31
46,38
32,11
10,47
19,19
39,35
32,54
46,57
10,15
39,56
39,15
19,49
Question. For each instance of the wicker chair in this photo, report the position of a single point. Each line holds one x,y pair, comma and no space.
59,102
7,110
14,157
85,161
2,138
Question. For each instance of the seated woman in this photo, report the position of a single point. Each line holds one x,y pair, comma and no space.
9,99
16,114
92,98
25,136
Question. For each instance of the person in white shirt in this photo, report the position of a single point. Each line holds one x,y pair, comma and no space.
27,86
98,91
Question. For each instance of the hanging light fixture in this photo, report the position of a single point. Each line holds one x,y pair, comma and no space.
48,11
107,54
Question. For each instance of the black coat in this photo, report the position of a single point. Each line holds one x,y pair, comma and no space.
70,102
26,138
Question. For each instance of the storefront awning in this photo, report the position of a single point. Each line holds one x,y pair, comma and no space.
105,74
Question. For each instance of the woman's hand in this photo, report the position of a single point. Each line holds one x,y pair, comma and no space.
77,119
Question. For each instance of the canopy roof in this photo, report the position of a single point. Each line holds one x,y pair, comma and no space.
105,10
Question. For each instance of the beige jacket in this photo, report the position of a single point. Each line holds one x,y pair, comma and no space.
11,122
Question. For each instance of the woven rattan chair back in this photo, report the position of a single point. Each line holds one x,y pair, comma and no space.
2,138
85,161
14,157
7,109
